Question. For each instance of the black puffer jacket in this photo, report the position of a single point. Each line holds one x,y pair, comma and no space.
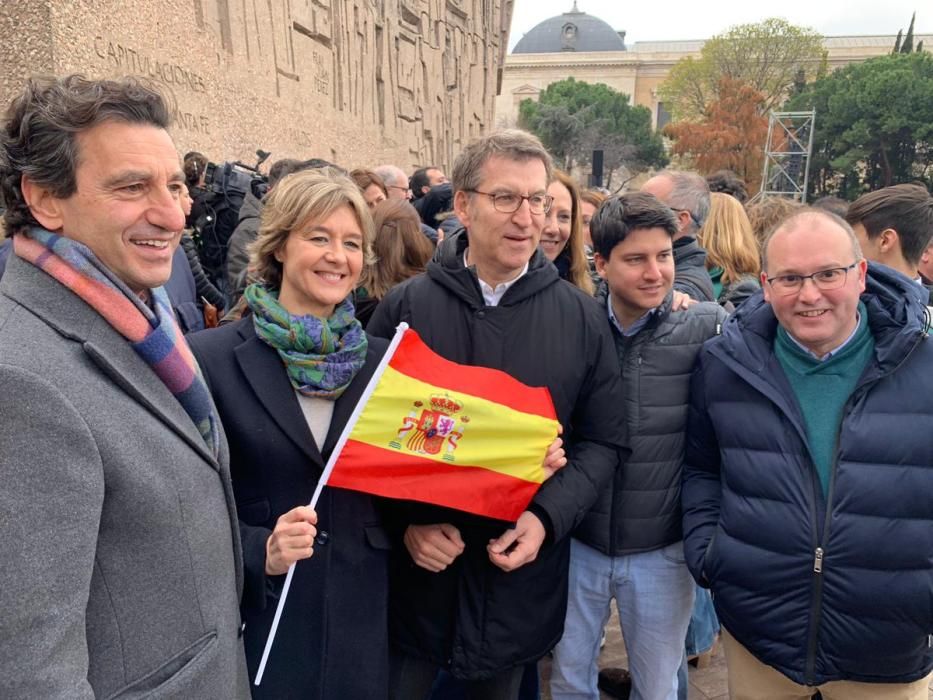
690,275
474,618
642,510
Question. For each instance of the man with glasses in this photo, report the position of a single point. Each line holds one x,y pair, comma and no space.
395,180
808,474
687,194
478,597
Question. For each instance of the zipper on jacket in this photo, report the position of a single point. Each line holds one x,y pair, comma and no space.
816,606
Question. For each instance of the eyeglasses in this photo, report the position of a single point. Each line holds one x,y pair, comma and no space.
833,278
406,190
509,202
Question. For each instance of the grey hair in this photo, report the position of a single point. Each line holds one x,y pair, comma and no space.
799,218
513,144
392,175
38,138
689,192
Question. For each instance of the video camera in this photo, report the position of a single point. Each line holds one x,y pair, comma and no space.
215,212
236,178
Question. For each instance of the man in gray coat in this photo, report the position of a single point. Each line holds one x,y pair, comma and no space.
118,534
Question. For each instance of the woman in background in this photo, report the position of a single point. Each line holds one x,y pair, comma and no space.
732,256
562,235
371,185
401,251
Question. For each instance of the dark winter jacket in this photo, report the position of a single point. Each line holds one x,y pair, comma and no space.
246,231
829,588
734,293
690,275
332,641
642,510
206,291
182,293
472,617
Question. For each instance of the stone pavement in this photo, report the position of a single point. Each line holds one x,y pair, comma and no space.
705,684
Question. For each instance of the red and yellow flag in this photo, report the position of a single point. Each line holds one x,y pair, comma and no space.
432,430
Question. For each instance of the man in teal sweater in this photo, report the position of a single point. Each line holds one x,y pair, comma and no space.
808,471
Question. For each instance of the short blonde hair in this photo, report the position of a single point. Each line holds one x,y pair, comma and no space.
308,195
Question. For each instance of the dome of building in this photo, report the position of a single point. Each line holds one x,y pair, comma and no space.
571,31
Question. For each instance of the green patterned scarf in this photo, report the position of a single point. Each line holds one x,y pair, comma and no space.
321,356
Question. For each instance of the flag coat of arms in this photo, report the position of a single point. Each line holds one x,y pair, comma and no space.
432,430
428,429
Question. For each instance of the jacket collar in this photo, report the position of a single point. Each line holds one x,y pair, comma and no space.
266,375
70,316
446,268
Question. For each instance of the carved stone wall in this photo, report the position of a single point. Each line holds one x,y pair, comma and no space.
359,82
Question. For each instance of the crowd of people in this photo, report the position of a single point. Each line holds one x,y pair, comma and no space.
744,389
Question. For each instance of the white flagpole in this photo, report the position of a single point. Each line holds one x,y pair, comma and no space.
322,482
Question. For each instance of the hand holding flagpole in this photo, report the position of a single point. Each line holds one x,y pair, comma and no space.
458,436
322,482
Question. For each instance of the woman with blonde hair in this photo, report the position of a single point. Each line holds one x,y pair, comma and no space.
285,380
732,257
562,235
401,251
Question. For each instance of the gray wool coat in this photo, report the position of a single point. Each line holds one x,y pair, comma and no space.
120,573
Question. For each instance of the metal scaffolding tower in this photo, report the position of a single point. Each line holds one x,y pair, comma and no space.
787,155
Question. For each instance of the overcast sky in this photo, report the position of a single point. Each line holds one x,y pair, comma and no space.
654,20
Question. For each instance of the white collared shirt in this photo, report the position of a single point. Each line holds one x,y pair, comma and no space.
493,295
834,351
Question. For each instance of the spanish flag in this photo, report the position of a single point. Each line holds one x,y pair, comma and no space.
432,430
427,429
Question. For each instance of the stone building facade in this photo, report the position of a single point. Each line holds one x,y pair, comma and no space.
357,82
576,44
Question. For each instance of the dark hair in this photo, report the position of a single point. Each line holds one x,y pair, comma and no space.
419,179
38,138
283,167
727,182
400,248
313,163
908,209
618,216
194,165
836,205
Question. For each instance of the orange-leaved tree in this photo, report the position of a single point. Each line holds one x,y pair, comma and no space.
730,135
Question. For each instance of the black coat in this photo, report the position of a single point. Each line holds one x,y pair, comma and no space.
331,641
690,275
473,617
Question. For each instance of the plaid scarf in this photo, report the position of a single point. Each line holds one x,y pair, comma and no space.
155,336
321,356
